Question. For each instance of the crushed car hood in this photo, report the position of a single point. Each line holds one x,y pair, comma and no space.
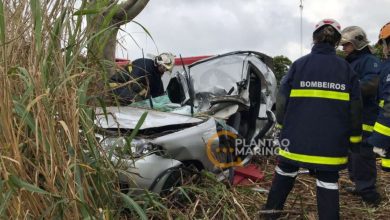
128,117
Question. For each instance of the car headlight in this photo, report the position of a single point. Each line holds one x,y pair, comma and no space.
120,146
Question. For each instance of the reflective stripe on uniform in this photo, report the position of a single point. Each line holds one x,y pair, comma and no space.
113,85
380,128
316,93
368,128
314,159
355,139
326,185
385,163
381,103
281,172
278,126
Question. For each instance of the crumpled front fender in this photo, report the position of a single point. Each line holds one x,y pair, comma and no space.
149,172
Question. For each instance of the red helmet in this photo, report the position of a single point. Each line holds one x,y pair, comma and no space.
328,21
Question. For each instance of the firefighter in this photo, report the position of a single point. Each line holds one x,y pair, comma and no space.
143,79
362,165
319,110
380,138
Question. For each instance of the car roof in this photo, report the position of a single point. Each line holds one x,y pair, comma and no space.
263,57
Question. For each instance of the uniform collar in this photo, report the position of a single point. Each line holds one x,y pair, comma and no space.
323,48
357,54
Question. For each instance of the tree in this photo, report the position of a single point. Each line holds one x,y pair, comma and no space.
281,66
104,19
378,51
340,53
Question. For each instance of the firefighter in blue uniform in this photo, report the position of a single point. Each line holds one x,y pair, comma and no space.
319,109
362,165
380,138
142,80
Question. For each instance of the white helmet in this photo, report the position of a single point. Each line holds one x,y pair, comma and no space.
328,21
354,35
165,59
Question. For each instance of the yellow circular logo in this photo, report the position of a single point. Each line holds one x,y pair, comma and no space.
222,150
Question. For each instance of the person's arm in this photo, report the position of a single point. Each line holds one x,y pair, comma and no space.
370,76
385,96
381,135
380,138
283,96
356,108
281,102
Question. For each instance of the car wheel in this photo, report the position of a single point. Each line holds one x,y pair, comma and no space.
180,176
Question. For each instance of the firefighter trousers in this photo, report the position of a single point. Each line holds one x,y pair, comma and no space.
327,190
362,171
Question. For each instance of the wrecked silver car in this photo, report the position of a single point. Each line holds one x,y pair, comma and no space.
207,105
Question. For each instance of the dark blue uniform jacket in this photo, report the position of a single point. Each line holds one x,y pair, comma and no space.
367,66
144,79
317,118
146,67
381,135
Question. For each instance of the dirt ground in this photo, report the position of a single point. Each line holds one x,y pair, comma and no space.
211,199
301,202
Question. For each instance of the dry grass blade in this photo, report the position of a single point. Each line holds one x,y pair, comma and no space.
243,212
213,200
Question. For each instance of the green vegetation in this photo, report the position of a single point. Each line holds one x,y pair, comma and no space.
50,163
281,66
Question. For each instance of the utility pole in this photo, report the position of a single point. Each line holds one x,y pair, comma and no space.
301,10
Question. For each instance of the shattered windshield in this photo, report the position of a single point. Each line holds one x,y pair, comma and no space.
218,76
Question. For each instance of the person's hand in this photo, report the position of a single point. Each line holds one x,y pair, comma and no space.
379,151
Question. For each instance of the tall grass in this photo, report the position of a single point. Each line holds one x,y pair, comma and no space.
50,165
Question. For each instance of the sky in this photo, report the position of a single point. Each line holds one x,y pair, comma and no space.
209,27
